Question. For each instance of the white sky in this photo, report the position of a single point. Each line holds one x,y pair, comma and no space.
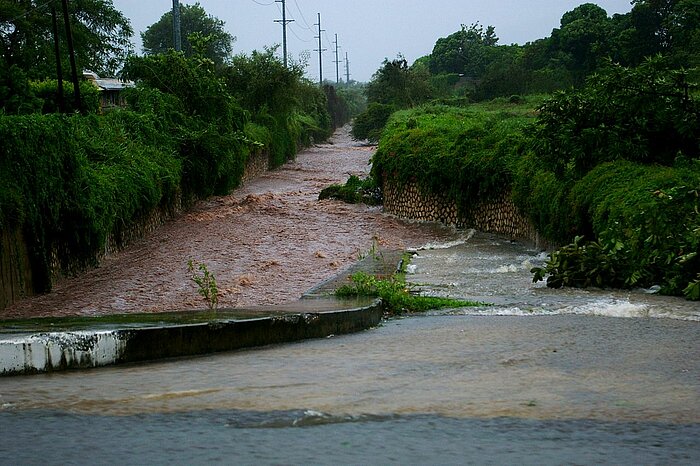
368,31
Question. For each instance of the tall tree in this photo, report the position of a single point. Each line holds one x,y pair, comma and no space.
102,36
669,27
464,52
584,38
202,34
395,83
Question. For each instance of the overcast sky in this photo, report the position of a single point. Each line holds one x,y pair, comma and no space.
368,30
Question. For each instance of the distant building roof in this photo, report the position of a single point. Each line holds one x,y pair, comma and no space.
108,84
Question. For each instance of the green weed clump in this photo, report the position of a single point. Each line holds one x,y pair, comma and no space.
395,294
354,191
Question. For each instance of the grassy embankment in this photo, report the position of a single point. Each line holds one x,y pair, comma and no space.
70,182
610,169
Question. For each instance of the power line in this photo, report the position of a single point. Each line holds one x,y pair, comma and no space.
26,13
302,16
337,61
297,36
284,21
320,51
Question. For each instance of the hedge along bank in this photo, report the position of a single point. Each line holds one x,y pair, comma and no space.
615,162
73,186
456,164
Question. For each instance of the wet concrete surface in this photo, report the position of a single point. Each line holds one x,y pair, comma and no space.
267,244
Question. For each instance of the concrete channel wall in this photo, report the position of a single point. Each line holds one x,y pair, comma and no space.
47,352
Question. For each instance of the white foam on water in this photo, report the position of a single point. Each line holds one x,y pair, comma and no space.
447,245
606,307
609,308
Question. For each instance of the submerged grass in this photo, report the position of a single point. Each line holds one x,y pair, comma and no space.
396,294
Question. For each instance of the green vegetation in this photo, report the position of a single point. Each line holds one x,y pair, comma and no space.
101,35
206,283
201,33
616,162
71,183
609,161
467,153
395,294
471,66
354,191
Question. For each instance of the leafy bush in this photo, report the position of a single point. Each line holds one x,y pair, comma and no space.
370,123
643,114
69,182
47,91
354,191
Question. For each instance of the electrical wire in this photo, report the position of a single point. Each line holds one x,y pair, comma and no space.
302,16
297,36
28,12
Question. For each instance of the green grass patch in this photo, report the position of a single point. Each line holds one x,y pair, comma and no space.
395,294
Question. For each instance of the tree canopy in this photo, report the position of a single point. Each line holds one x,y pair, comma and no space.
202,34
101,36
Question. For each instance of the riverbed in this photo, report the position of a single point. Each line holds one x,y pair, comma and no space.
534,376
539,376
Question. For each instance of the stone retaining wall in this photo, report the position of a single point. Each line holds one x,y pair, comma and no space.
498,215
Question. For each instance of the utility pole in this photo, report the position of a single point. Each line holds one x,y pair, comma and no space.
347,68
71,51
59,67
320,52
177,31
284,22
337,61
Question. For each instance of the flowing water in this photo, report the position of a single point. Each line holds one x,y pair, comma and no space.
540,377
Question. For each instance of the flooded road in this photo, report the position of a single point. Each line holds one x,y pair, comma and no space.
443,389
540,376
266,243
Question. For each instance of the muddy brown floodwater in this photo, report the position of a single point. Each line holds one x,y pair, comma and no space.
267,243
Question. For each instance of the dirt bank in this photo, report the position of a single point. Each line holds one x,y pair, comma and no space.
267,243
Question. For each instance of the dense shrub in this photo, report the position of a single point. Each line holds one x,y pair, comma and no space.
465,153
369,124
68,182
354,191
644,114
47,91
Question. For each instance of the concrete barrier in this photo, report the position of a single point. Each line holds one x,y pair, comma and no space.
31,353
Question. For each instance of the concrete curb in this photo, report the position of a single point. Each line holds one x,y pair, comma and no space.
55,351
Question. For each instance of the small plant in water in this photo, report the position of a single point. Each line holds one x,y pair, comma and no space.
395,294
206,283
